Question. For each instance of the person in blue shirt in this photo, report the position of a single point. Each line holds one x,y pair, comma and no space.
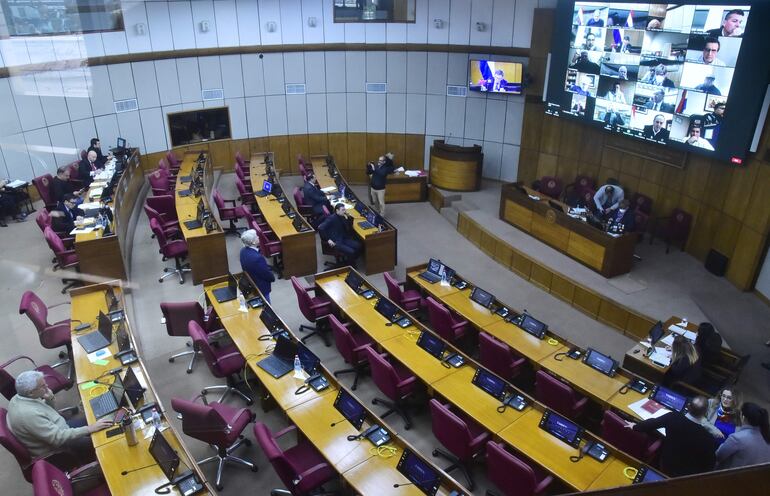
337,231
254,264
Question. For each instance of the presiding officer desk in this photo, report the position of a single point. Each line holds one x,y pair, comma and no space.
206,251
519,429
298,249
313,412
93,377
606,254
379,245
107,256
547,353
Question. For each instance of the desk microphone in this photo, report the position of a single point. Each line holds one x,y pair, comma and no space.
126,472
405,484
337,422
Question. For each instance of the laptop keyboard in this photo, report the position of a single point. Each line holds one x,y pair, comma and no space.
93,341
365,225
275,366
103,404
430,277
193,224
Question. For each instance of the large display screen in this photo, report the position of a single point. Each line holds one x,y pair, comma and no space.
687,76
495,77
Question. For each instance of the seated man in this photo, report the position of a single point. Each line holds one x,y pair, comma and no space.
86,167
314,196
607,199
624,216
337,230
96,147
41,429
61,184
69,213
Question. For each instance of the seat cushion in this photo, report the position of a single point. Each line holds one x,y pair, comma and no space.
175,250
236,418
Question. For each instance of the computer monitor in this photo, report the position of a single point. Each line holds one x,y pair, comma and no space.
669,399
656,333
105,326
354,280
164,455
387,309
350,408
646,474
132,387
270,319
603,363
489,383
285,348
308,359
432,344
420,473
561,428
121,143
533,326
267,186
482,297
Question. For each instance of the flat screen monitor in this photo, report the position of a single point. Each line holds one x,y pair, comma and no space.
387,309
533,326
656,333
482,297
561,428
420,473
354,280
668,398
198,126
678,75
489,383
494,76
350,408
105,326
432,344
267,186
601,362
121,143
164,455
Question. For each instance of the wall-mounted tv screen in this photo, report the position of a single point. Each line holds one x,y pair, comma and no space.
689,76
196,126
495,77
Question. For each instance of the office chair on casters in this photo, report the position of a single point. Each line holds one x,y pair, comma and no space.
218,425
636,444
178,316
51,336
302,469
160,182
409,299
462,437
231,214
170,228
513,476
444,323
66,258
54,380
176,249
43,186
499,358
223,362
558,395
351,347
315,309
395,381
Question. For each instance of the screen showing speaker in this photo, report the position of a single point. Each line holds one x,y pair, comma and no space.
495,77
679,75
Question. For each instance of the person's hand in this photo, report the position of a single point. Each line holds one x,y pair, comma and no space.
47,394
331,243
99,425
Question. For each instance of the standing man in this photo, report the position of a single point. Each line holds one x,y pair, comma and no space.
254,264
378,178
608,199
97,147
86,167
337,230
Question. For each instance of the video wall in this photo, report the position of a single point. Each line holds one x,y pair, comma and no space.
664,73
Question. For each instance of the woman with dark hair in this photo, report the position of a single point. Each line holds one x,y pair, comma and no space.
708,343
685,363
750,444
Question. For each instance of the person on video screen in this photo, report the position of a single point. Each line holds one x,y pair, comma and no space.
582,88
656,130
710,51
584,64
613,118
623,72
657,77
656,103
496,84
732,25
596,20
590,43
707,86
694,138
615,94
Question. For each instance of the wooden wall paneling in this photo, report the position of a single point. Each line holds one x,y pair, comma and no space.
149,162
717,185
673,177
758,212
220,154
653,171
376,145
521,265
567,169
632,166
279,145
648,188
546,165
638,326
528,160
562,287
318,144
532,126
571,141
726,234
588,169
593,143
541,37
257,145
298,145
738,192
586,301
696,176
474,233
338,148
743,264
463,224
540,276
503,253
488,243
703,231
356,154
667,201
414,153
550,135
396,143
613,314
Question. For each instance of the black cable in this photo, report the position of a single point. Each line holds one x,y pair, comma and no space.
559,356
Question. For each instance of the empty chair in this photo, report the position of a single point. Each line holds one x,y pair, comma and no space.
175,248
314,308
243,177
255,221
636,444
499,358
163,164
224,362
579,185
246,197
51,335
641,220
641,202
551,186
558,396
463,438
395,381
410,299
675,228
221,426
54,380
243,164
230,214
444,323
270,246
66,258
159,182
173,162
302,469
351,346
165,206
47,480
170,228
43,186
178,315
511,475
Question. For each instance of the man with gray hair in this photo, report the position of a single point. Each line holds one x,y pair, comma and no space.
33,419
254,264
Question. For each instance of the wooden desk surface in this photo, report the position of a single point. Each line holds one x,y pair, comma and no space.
96,233
524,343
583,377
373,323
636,358
471,311
404,346
436,289
224,309
85,308
526,435
480,406
187,206
321,172
337,289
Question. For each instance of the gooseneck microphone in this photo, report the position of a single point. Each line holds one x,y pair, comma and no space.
337,422
404,484
126,472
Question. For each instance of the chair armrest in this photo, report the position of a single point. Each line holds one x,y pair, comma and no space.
75,473
18,358
580,403
175,242
235,355
311,478
408,381
543,484
285,431
458,325
410,300
360,349
229,201
322,305
216,334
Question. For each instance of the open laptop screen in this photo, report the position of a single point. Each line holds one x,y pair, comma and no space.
308,359
418,472
350,408
121,143
285,348
656,333
386,308
533,326
270,319
134,390
267,186
354,280
105,326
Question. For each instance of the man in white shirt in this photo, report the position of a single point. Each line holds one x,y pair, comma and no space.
695,139
710,51
608,198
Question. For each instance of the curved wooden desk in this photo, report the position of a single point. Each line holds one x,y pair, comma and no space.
455,168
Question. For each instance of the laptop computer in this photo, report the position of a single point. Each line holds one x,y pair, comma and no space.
489,383
656,333
126,353
603,363
109,401
360,207
267,187
371,222
133,388
299,225
112,300
561,428
482,297
670,399
100,338
228,293
168,461
282,360
419,472
288,210
433,271
350,408
532,326
356,283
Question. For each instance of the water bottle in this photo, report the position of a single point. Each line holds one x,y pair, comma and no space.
297,365
242,302
156,421
130,431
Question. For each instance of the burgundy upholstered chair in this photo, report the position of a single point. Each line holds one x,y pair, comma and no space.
351,346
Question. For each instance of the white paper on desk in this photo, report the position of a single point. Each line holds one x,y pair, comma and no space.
300,374
97,355
536,198
16,183
94,192
83,230
90,205
668,340
661,357
329,189
643,414
412,173
400,169
682,332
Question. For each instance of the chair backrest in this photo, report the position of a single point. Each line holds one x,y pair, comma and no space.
551,186
383,374
640,221
160,236
264,247
83,154
343,339
43,219
218,201
18,450
159,179
163,204
7,384
203,422
239,159
35,309
282,466
302,169
151,213
554,393
394,290
241,187
641,202
584,182
54,241
615,432
495,355
250,220
678,226
440,319
303,299
588,198
172,159
451,430
43,185
179,314
299,199
48,480
201,343
509,474
163,164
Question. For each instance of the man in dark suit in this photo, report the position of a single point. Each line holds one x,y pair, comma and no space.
86,167
100,158
656,103
497,83
688,447
337,231
732,25
657,76
613,118
254,264
655,130
61,184
69,211
314,196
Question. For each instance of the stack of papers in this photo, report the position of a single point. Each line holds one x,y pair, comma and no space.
90,205
94,192
329,189
682,332
661,357
82,230
412,173
15,183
